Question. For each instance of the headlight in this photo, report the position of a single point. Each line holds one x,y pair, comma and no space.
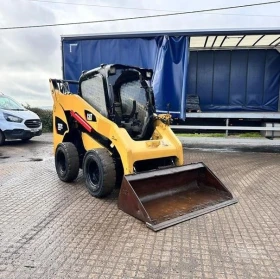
12,118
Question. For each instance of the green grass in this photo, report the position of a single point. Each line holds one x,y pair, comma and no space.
250,135
196,135
220,135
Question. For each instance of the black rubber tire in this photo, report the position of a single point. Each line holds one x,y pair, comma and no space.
2,138
67,161
99,172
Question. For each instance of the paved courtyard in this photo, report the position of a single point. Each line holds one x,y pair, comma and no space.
49,229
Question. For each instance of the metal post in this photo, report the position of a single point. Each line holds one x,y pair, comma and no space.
227,122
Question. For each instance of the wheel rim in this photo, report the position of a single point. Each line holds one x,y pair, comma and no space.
93,174
61,162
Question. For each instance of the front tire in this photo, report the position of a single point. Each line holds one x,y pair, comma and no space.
99,172
2,138
67,161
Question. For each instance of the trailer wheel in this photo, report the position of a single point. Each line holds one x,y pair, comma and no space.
67,161
99,172
2,138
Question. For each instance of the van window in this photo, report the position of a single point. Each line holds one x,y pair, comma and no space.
9,104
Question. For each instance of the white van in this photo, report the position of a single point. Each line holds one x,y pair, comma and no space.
16,122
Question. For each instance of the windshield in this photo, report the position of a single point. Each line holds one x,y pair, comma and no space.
9,104
133,90
126,85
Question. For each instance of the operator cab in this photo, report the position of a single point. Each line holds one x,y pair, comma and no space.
122,94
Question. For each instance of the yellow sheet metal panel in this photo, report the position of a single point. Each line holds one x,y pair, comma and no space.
57,112
130,151
90,143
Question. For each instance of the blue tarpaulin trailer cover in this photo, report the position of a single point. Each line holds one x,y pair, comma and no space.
225,80
170,75
167,56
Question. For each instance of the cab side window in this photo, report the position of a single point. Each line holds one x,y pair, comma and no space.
93,92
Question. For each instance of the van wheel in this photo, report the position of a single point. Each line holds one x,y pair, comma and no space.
67,161
2,138
99,172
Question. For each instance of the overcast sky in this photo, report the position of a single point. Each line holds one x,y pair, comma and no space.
30,57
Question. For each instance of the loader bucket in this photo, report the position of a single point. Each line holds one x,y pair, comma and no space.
166,197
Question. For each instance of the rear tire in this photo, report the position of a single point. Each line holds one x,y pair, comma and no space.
2,138
67,161
99,172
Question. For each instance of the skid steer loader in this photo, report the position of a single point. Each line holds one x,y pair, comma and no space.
110,130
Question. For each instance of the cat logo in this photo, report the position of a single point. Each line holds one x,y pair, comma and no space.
59,126
89,116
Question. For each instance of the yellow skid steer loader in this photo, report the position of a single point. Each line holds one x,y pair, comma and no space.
110,130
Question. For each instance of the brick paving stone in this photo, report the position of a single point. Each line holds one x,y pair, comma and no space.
49,229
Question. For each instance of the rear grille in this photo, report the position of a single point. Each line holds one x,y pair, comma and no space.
33,123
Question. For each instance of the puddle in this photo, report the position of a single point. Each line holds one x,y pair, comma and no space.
29,266
4,157
35,159
32,160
